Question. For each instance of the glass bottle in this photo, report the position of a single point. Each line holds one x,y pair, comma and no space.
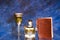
29,31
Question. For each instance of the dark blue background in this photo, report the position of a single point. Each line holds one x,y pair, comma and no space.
31,9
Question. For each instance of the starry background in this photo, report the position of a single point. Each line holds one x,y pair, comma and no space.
31,9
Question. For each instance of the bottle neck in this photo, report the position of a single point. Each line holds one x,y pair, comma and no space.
30,24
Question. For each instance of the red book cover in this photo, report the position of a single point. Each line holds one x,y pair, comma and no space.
44,26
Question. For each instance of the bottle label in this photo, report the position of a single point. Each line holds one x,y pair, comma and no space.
30,33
